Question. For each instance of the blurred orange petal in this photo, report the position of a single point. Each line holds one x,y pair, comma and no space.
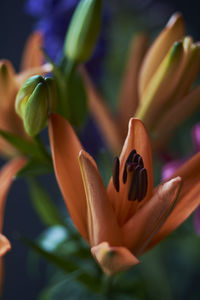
102,116
174,31
148,220
32,56
4,245
65,148
182,110
189,198
7,84
7,174
129,98
113,259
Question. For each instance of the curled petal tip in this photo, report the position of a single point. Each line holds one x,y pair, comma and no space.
113,259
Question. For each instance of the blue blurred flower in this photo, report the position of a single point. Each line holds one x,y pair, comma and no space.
53,18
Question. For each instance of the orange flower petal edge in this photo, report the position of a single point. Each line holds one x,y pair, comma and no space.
7,174
65,148
101,220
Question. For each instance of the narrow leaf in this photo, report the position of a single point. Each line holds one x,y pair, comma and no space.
44,205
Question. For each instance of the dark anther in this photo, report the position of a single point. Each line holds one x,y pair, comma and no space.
116,173
129,160
133,190
131,166
124,176
140,162
134,167
130,157
135,158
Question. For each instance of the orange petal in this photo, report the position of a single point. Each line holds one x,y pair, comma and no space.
161,87
143,226
7,84
129,98
137,139
113,259
65,148
7,174
4,245
189,198
190,69
175,117
174,31
1,274
32,56
102,223
102,116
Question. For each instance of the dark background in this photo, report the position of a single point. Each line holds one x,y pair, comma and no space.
20,217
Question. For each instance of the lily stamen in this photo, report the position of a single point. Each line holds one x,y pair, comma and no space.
138,186
129,160
116,173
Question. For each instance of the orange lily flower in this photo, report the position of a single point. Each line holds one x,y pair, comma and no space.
130,217
10,82
7,174
156,87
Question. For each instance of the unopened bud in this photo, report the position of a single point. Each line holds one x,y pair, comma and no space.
25,92
83,30
32,104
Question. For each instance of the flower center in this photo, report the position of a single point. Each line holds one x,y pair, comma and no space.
134,168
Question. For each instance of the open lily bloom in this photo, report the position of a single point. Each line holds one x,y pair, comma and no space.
10,82
130,217
156,87
7,174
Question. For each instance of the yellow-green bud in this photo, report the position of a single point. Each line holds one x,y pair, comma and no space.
25,92
83,30
32,104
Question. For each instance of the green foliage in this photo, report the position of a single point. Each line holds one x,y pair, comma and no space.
29,148
43,204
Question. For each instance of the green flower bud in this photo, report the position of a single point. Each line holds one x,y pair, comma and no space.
52,93
25,92
83,30
32,104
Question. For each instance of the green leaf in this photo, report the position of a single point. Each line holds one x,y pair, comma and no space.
34,168
66,265
29,148
44,205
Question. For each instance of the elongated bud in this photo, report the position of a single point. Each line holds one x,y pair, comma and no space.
83,30
32,104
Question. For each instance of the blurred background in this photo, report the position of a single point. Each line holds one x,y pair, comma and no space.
125,18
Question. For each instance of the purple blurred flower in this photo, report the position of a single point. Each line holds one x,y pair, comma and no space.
53,18
171,167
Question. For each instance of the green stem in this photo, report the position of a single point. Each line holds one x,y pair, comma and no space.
106,285
64,107
44,153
